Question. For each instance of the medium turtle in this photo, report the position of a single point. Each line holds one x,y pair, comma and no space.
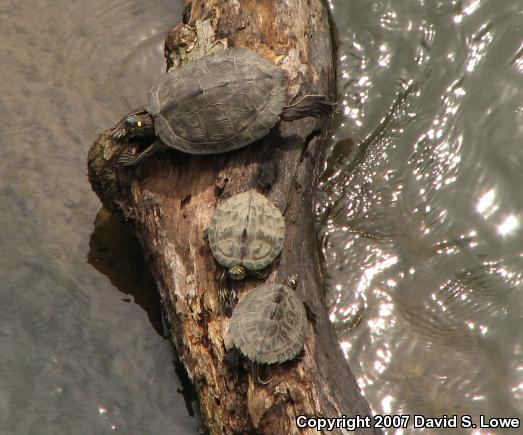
246,234
269,324
217,103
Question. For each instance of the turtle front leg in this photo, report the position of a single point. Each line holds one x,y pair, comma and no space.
129,159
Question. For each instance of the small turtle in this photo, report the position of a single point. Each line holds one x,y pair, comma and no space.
269,324
245,235
217,103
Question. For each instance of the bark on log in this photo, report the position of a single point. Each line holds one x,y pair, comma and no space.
169,200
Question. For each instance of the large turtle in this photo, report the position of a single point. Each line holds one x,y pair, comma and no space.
217,103
246,234
269,324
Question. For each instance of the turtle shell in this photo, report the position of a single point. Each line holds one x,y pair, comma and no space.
246,230
218,102
268,325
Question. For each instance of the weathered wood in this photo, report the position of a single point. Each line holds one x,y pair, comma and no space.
169,200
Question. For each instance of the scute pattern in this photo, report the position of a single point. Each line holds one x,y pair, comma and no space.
269,324
218,103
246,230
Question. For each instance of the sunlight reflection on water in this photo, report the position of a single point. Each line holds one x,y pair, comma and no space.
420,203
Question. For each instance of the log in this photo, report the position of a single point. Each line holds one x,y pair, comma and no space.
169,199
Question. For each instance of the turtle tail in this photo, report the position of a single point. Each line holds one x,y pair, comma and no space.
316,106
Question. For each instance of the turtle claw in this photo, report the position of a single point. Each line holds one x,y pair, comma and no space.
126,159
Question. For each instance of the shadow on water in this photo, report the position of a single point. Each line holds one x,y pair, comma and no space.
115,252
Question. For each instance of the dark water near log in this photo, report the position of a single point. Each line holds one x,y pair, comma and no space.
419,211
421,205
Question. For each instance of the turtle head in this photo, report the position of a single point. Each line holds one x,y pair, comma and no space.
292,281
237,273
139,125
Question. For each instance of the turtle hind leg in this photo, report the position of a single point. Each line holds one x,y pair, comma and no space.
129,159
316,106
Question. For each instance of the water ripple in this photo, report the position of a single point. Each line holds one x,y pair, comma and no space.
420,206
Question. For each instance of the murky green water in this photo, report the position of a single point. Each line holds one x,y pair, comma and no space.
419,211
421,205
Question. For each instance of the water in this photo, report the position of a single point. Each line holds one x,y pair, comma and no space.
77,355
419,211
420,205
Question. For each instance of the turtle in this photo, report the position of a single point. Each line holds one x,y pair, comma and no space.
245,235
215,104
269,324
